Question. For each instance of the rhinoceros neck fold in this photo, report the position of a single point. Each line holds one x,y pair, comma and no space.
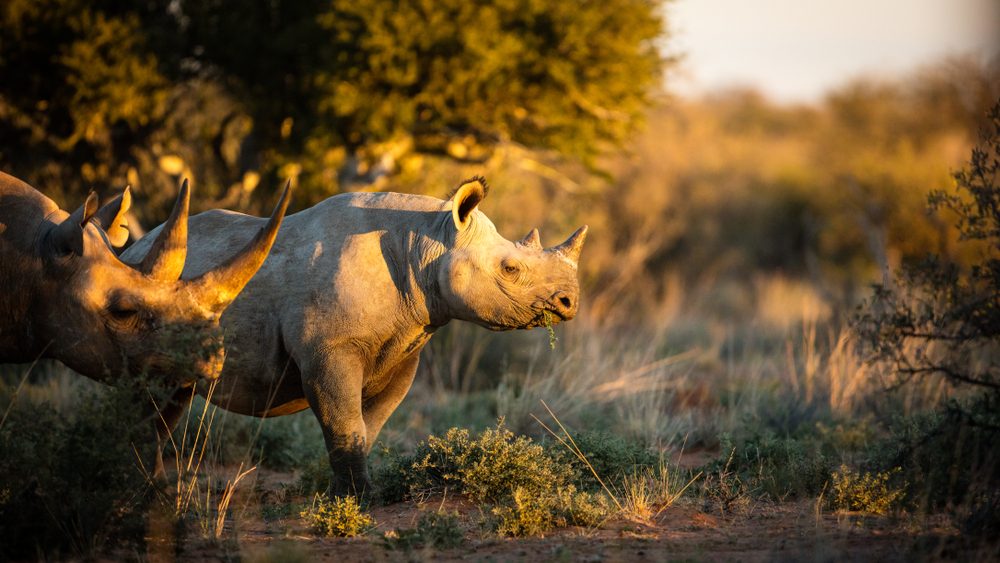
414,266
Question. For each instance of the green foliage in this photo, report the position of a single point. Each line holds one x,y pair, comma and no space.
610,455
109,89
944,318
949,458
529,490
864,492
436,529
70,482
488,468
528,513
282,443
314,475
774,467
339,516
941,321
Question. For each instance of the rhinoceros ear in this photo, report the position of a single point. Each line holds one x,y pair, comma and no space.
67,236
112,219
466,199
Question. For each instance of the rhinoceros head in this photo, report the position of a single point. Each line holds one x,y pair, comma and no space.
100,315
500,284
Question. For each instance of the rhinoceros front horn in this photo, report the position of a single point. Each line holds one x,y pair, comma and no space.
219,287
165,259
531,241
572,246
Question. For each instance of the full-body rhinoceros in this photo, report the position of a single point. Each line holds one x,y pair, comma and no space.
64,294
354,288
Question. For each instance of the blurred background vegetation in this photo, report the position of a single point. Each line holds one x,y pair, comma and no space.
732,237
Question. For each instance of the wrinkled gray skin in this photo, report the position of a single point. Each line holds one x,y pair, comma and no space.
64,294
353,289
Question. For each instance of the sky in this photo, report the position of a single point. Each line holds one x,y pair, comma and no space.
796,50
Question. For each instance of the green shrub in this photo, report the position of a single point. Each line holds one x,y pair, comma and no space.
610,455
391,477
949,458
314,476
775,467
70,481
437,529
488,468
864,492
339,516
282,443
528,514
529,490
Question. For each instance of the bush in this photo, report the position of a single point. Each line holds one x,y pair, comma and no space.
775,467
339,516
437,529
70,482
948,457
864,492
488,468
611,456
530,490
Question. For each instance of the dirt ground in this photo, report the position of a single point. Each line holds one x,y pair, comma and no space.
264,526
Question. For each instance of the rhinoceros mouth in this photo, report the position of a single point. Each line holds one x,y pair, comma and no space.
543,318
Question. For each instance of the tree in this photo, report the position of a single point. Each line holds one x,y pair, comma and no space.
311,87
942,319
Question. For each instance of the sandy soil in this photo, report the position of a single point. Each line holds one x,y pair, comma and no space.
267,528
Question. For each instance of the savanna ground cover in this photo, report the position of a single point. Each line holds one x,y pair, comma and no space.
723,394
786,349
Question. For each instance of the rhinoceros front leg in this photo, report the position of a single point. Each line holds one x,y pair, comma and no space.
332,386
379,408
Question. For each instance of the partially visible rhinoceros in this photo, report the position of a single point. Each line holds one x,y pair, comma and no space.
64,294
353,289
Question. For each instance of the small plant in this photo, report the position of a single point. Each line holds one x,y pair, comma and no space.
864,492
528,491
552,332
648,492
724,487
488,467
437,529
527,514
339,516
610,455
776,467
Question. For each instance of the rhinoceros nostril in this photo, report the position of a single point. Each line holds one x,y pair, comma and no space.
565,302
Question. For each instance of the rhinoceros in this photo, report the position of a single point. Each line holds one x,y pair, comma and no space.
64,294
354,288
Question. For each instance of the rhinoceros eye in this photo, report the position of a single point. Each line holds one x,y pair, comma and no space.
123,311
510,269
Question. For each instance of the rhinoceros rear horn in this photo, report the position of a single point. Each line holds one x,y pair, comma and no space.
68,236
165,259
572,246
218,288
531,241
111,218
